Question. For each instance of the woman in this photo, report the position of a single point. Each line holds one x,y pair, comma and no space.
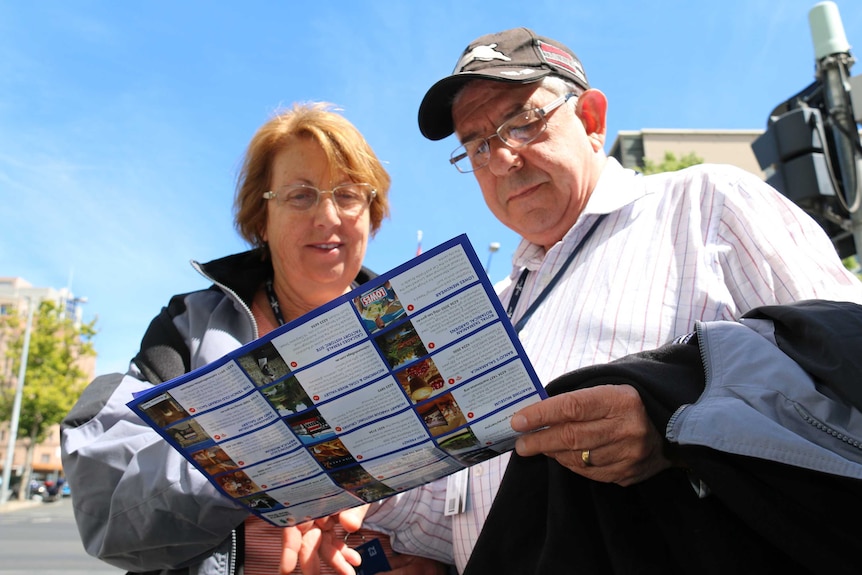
309,194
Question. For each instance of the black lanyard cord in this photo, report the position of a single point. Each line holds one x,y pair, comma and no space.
519,286
273,302
276,307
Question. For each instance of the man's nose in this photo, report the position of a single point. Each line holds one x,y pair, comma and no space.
502,158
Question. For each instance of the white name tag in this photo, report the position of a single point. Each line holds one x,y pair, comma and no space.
456,492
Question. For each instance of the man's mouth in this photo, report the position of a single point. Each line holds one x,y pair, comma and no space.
523,192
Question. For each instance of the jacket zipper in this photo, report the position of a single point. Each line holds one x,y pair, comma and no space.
233,295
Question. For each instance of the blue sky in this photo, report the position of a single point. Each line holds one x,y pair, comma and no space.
122,124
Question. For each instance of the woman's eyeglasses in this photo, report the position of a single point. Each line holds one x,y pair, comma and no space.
349,199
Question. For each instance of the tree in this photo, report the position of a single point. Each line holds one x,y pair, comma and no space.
852,264
670,163
54,377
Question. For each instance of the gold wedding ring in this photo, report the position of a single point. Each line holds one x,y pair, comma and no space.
585,457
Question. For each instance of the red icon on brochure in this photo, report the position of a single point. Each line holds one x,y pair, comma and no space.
315,397
469,415
338,428
358,457
451,381
217,437
192,410
293,364
431,345
263,486
410,307
240,463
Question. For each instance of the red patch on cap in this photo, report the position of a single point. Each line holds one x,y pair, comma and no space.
561,58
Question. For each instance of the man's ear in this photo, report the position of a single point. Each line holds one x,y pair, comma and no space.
592,109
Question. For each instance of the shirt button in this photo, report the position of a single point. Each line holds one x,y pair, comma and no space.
478,471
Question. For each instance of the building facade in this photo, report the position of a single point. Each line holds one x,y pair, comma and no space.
714,146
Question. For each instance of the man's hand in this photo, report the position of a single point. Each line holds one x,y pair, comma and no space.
602,433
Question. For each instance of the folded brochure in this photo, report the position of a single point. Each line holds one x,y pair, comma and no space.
409,378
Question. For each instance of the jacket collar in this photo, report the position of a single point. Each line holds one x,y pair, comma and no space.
245,272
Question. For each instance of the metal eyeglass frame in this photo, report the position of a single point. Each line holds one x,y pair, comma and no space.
460,153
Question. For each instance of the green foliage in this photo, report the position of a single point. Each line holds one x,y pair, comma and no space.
852,264
670,163
54,378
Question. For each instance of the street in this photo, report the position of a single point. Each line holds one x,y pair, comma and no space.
41,539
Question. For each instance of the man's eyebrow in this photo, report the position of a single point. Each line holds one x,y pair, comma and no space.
513,111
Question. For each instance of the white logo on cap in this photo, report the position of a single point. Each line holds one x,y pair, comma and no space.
515,73
484,53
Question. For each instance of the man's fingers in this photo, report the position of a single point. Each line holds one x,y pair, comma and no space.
581,405
565,437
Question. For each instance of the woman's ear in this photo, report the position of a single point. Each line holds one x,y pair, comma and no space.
592,108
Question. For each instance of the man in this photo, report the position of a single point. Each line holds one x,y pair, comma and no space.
610,263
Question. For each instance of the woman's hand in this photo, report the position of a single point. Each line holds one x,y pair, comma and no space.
308,544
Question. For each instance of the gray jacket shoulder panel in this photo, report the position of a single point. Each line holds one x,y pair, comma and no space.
759,402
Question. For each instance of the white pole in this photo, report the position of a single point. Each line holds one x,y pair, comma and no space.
16,411
492,249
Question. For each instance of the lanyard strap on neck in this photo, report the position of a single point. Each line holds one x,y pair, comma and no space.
519,287
273,302
276,307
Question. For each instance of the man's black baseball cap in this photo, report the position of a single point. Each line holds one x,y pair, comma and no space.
518,56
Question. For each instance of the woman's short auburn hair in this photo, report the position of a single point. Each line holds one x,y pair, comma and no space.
344,146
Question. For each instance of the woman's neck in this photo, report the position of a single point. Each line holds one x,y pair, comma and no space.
292,306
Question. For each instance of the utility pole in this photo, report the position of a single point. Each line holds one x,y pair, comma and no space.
16,409
811,150
832,54
493,247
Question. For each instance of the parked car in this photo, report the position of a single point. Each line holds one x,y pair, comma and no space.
52,491
37,489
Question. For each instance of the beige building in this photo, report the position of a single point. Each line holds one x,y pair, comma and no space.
16,296
714,146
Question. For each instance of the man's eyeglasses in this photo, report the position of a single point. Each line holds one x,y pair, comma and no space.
515,132
349,199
